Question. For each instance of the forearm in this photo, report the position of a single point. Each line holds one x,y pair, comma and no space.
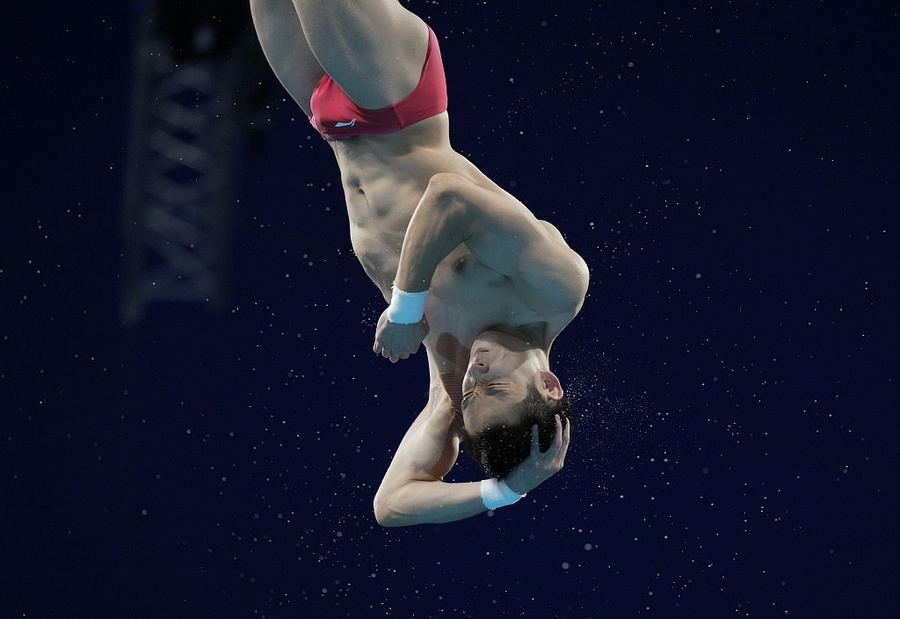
428,502
438,226
412,490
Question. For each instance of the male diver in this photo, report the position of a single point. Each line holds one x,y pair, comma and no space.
467,269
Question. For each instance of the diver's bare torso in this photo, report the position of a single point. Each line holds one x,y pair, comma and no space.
384,177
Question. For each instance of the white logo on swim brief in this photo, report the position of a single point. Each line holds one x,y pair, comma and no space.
340,124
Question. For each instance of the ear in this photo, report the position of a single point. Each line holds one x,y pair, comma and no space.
551,385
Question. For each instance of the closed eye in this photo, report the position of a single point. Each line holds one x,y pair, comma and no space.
496,389
493,390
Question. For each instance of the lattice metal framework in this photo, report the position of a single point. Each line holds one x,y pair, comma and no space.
186,134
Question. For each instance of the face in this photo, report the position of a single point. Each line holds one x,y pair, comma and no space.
497,379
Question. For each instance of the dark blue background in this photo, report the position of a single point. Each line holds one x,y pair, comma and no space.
730,174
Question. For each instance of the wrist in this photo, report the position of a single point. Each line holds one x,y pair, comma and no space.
495,493
406,308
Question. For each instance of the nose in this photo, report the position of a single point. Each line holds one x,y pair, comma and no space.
475,374
481,358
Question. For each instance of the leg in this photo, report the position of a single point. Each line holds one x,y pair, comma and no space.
373,49
286,49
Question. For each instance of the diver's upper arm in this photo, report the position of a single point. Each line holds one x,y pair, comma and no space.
506,237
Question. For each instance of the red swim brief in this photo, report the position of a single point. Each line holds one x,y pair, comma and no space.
336,117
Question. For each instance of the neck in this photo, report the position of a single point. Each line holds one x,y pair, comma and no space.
450,356
532,336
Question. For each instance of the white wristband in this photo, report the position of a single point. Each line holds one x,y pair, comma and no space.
406,308
495,493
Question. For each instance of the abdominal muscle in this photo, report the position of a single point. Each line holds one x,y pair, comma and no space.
384,177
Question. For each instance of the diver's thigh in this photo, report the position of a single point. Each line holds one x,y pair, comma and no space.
281,37
373,49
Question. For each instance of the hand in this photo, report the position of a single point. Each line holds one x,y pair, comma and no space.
541,466
395,341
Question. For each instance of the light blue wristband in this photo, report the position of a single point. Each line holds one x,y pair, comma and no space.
495,493
406,308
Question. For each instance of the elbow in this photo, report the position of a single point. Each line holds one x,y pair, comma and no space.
443,188
384,515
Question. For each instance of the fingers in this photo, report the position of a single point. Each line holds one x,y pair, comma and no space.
378,349
561,439
564,448
398,341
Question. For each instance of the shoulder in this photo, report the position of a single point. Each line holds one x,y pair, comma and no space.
555,279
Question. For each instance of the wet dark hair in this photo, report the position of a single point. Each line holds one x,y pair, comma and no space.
499,449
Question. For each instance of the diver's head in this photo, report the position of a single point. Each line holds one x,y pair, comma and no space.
507,389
